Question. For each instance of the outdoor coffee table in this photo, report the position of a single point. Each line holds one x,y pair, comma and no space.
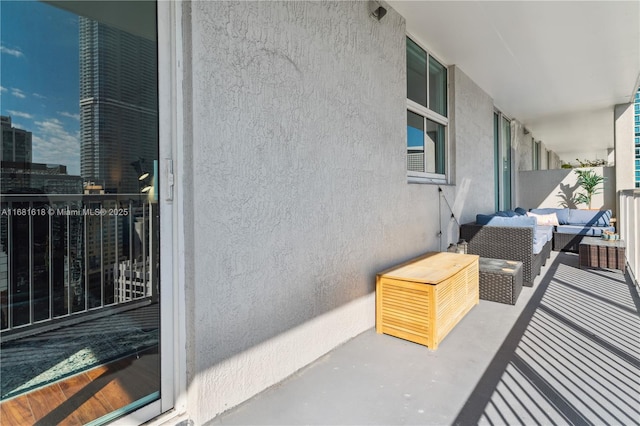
423,299
596,252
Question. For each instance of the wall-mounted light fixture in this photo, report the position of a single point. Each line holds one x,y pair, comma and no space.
145,182
376,10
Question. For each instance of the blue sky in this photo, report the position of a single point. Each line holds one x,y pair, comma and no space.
39,83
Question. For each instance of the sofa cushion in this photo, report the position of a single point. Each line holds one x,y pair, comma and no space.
548,230
520,211
538,245
562,214
589,217
517,221
541,234
550,219
594,231
506,213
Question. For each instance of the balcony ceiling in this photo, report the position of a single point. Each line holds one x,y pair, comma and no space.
536,59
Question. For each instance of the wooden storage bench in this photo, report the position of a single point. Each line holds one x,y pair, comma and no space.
423,299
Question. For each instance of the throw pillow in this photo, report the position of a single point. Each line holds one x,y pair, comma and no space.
545,219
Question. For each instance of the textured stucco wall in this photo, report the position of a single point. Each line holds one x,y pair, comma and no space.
525,153
556,188
625,146
473,138
297,115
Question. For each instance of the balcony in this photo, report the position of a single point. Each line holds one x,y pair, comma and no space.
65,256
80,318
567,353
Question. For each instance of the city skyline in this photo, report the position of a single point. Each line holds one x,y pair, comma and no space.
49,111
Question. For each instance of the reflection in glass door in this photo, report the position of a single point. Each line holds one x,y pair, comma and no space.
502,161
505,161
79,232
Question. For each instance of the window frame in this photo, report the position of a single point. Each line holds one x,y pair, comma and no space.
536,155
499,118
427,114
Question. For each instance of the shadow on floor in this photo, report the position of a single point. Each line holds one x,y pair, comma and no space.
573,355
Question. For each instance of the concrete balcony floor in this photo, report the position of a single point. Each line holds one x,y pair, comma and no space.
567,353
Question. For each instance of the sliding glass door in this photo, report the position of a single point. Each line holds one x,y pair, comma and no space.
79,223
502,161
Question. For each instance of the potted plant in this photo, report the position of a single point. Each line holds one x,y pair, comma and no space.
589,181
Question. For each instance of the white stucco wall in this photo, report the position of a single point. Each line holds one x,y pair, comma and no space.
525,153
299,194
474,147
625,146
556,188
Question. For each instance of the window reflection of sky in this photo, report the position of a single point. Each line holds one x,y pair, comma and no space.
415,138
39,71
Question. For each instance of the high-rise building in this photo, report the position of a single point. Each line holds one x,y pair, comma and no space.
16,143
118,106
636,129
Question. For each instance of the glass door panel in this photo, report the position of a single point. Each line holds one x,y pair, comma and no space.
79,221
505,159
496,159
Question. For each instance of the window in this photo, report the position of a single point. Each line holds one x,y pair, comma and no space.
427,115
536,156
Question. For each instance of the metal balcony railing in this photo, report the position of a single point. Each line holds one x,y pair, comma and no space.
65,255
629,220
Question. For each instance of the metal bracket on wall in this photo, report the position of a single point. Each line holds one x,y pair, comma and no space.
168,167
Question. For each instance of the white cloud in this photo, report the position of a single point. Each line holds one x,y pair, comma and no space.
20,114
39,96
3,89
13,52
17,93
54,144
70,115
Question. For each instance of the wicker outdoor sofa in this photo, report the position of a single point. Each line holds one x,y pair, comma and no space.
510,243
575,224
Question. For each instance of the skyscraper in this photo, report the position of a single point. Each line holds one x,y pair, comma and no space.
16,143
118,106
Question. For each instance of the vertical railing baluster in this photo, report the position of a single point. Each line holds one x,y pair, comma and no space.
144,251
102,237
68,272
31,258
132,229
50,267
116,265
10,280
86,262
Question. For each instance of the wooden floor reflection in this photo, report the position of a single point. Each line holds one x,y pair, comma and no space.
87,396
